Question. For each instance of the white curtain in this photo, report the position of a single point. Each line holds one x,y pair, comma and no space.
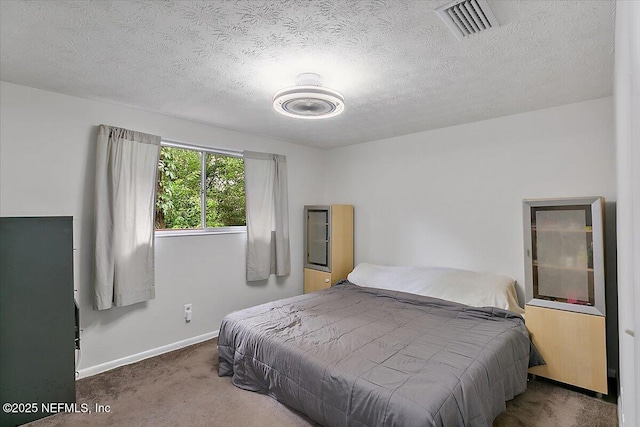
126,171
267,215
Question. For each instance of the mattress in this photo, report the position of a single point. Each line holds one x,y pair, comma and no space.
353,356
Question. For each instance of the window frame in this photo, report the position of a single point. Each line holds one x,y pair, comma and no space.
234,229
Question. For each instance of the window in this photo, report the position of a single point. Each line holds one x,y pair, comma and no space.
199,189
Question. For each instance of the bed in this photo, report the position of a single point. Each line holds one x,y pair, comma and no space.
360,355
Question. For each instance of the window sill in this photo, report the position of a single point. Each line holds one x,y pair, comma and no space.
206,232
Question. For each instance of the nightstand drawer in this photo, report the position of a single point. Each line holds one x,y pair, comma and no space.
572,344
315,280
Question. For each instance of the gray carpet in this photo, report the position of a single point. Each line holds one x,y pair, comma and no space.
182,388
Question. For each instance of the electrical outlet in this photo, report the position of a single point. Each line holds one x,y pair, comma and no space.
187,312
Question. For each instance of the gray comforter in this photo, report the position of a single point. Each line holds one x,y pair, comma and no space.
352,356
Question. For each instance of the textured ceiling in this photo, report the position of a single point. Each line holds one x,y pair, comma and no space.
399,68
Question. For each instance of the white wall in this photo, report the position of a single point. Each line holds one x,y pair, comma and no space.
627,105
453,196
46,168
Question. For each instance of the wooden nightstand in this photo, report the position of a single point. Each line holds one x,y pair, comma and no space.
572,344
565,289
328,245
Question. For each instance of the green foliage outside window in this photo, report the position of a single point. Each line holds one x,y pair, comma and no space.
225,191
179,190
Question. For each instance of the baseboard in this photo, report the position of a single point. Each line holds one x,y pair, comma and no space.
103,367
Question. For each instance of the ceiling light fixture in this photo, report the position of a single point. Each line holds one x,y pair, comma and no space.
308,100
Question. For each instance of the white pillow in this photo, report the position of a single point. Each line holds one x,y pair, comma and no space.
461,286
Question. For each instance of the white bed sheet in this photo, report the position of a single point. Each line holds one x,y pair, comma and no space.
461,286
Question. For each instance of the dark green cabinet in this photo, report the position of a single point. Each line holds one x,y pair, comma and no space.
37,316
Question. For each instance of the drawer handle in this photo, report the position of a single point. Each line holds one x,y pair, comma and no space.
326,280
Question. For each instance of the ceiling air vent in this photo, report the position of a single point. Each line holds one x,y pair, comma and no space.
467,17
